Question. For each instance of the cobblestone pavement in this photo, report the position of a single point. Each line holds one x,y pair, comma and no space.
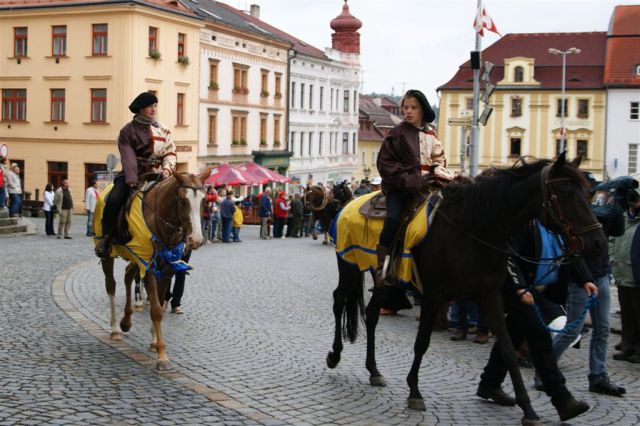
250,348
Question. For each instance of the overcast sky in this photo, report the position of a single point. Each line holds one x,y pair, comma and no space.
421,43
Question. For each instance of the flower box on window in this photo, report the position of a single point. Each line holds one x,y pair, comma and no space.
213,85
235,142
278,95
241,90
243,142
154,53
263,142
184,60
276,143
264,93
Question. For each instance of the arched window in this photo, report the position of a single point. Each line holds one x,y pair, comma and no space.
518,74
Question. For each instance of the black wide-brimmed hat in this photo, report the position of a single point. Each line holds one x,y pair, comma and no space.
427,112
143,100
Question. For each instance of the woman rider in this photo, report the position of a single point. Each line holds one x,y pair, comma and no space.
145,145
410,151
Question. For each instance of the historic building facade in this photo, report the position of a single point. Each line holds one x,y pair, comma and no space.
622,80
527,101
68,71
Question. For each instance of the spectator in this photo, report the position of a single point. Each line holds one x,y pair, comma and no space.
289,220
64,205
265,212
3,182
49,209
14,187
90,200
467,311
227,208
238,218
376,183
214,207
307,214
281,211
362,189
222,193
175,296
297,214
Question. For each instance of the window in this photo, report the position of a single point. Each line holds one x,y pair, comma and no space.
153,39
636,69
583,108
558,147
56,172
337,99
263,129
294,146
515,148
633,158
321,97
181,42
100,38
354,143
264,83
59,40
582,148
180,110
355,101
310,144
331,101
302,145
276,129
469,102
559,108
57,104
14,105
293,93
213,127
90,171
240,79
301,95
516,107
213,74
518,75
320,137
345,143
634,112
345,103
278,92
239,128
311,96
20,35
98,105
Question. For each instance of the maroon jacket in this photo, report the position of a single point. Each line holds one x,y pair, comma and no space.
399,160
142,151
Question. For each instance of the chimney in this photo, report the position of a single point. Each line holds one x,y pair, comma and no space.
254,10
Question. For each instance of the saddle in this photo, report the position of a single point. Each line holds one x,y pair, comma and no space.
122,235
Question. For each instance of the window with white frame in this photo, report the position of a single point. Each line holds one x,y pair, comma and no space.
633,158
634,111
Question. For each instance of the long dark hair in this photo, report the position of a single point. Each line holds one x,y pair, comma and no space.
48,187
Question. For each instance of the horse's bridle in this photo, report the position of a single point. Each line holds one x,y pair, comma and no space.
552,210
325,199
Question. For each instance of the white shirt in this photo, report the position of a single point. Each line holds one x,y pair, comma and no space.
90,198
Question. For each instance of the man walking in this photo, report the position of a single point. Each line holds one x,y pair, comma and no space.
64,203
90,199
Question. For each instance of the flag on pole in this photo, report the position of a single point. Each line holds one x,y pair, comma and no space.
482,21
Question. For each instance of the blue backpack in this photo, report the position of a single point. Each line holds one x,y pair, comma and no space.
551,247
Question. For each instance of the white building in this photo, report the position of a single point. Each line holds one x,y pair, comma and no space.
622,79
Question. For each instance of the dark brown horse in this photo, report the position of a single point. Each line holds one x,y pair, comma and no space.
465,255
325,206
171,211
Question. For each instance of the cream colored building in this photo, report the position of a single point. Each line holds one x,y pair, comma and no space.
66,90
527,102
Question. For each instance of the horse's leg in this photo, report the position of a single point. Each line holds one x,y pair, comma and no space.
110,284
156,311
139,304
429,309
314,231
130,272
492,310
326,237
372,316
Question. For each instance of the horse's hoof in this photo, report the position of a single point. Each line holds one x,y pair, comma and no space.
315,237
332,360
152,347
378,381
125,327
531,422
416,404
162,365
116,336
325,243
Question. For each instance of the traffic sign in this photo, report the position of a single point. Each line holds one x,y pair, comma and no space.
459,121
112,161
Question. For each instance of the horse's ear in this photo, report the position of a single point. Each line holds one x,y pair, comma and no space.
576,161
560,162
205,174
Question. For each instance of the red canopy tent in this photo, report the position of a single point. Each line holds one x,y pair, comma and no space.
262,174
227,174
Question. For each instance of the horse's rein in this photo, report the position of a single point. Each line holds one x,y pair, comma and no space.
552,209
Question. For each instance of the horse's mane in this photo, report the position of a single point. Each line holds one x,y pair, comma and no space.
480,203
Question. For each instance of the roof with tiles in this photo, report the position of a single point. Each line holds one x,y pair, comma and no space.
584,71
380,116
623,48
243,20
174,6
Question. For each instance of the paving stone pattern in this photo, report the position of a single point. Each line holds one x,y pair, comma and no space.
250,348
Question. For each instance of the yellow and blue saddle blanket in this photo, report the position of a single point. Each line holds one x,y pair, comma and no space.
356,238
145,249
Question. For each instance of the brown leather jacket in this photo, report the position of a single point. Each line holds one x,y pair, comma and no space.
142,150
399,160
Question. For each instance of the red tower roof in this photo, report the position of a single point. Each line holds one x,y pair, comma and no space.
345,21
346,37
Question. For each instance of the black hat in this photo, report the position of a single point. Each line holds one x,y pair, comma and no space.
427,113
143,100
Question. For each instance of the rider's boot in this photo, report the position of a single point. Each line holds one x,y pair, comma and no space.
382,279
103,248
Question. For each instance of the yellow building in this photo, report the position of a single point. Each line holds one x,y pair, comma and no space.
68,71
527,102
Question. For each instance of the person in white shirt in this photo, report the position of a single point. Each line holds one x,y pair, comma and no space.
48,209
90,199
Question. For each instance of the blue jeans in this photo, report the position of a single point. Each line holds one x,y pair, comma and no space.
599,313
15,206
213,227
3,197
226,228
235,232
89,224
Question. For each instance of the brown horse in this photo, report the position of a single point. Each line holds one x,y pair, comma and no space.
170,216
465,256
325,206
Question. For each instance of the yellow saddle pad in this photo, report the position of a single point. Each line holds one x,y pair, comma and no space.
140,249
356,239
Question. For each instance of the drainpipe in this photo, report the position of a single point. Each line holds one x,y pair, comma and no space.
290,55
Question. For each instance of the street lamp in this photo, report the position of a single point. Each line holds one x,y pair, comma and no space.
564,70
367,171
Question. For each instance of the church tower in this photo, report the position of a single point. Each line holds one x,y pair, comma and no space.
346,37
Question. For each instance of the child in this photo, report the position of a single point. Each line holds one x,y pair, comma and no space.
238,217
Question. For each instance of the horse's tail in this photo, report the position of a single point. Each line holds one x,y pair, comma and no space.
351,289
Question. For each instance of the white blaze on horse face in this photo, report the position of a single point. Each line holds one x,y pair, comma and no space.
195,240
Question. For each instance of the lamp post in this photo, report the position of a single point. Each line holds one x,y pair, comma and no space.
564,54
